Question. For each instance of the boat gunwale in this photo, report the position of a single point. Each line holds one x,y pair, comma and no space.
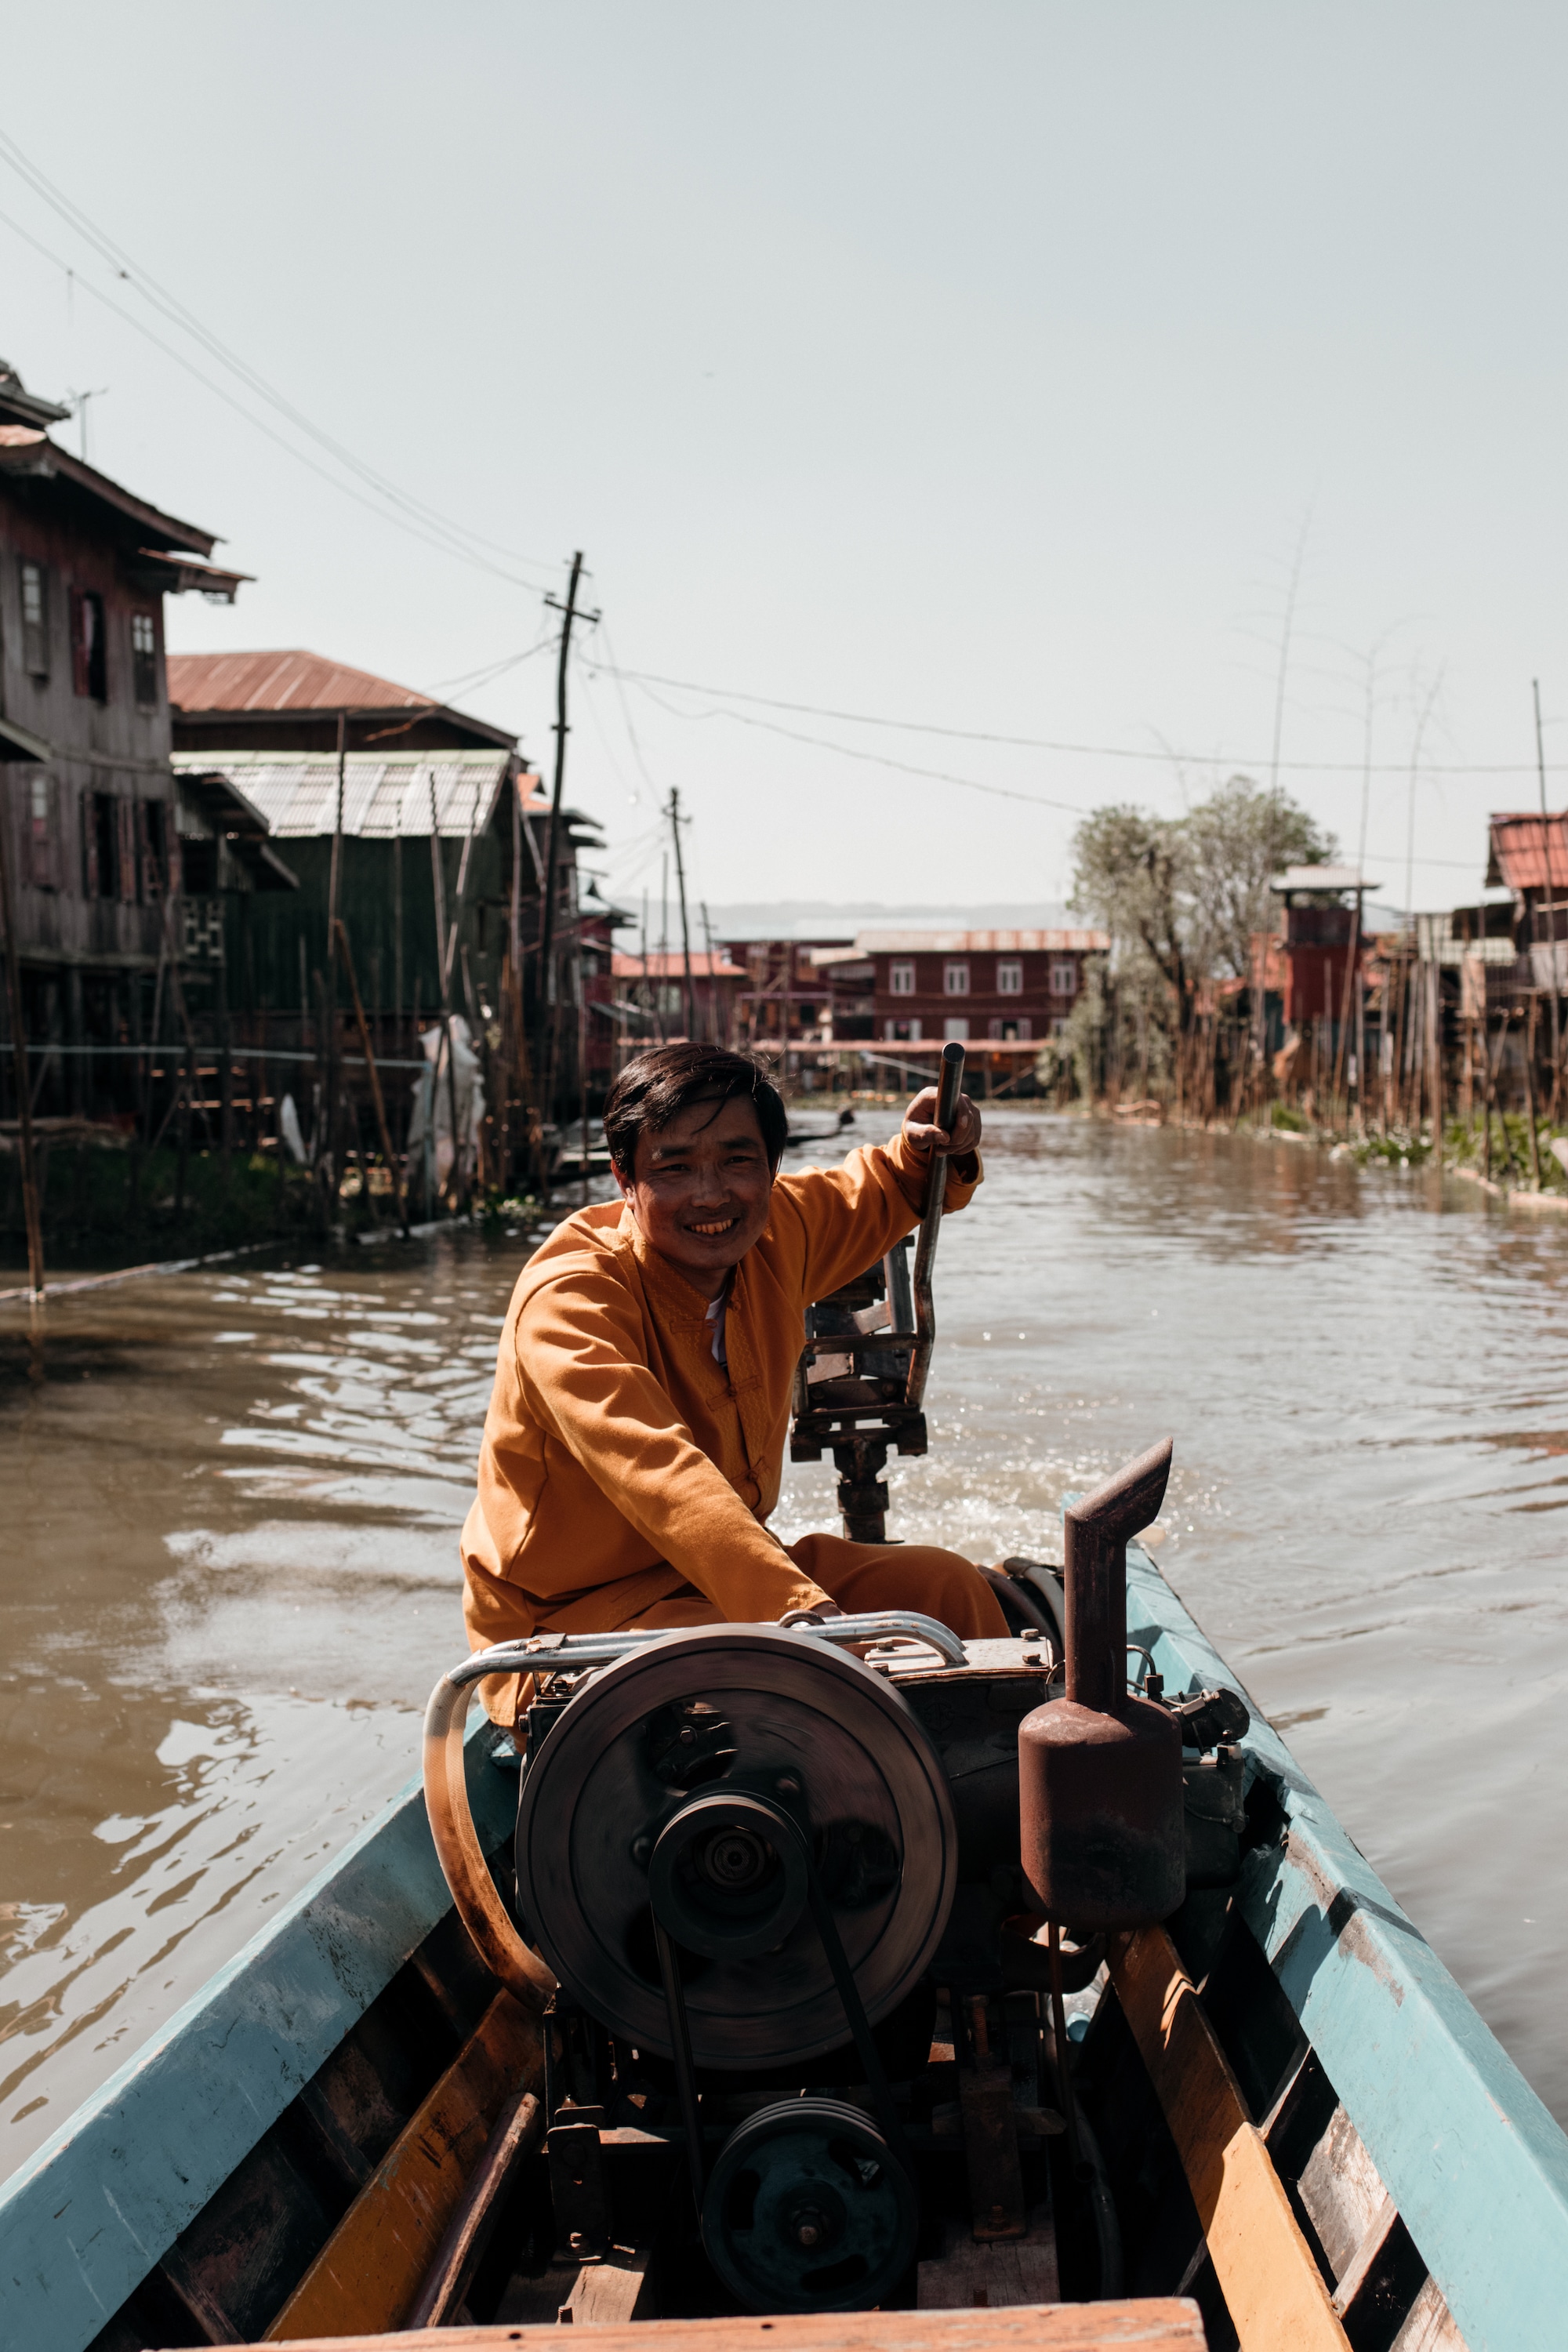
1467,2146
93,2211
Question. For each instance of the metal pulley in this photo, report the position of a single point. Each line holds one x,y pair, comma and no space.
700,1790
807,2209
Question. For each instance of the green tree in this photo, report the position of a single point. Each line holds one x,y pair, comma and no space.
1182,899
1231,846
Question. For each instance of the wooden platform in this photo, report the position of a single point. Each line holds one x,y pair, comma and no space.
1159,2323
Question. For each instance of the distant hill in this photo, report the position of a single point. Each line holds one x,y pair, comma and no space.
812,918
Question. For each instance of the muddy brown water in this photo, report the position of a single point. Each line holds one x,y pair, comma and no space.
230,1501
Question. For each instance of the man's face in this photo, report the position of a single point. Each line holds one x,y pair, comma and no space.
700,1189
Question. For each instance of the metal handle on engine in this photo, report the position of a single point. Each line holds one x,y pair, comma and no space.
458,1849
950,1086
554,1653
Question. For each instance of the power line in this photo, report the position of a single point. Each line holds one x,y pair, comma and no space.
872,758
907,768
408,512
1050,743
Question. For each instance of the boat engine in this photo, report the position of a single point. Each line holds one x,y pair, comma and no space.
780,1892
739,1849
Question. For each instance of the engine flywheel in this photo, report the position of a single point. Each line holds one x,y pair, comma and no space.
659,1783
807,2209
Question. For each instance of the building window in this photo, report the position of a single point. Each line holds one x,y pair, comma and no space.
125,813
955,981
904,1033
956,1025
1064,978
901,981
144,660
198,866
1010,1027
90,654
202,921
41,834
100,845
1009,979
154,825
35,619
1059,1024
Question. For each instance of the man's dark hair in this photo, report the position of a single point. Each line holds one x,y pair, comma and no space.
668,1079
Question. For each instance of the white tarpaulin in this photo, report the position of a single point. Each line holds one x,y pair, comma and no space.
430,1129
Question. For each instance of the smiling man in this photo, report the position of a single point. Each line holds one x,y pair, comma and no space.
634,1440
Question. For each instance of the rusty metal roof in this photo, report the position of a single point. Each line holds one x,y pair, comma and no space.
707,963
283,681
1527,852
1064,942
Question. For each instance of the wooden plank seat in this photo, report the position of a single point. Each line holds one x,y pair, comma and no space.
1158,2323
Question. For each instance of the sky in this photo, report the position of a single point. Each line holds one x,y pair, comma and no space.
1177,389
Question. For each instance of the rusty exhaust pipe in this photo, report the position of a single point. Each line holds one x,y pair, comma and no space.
1099,1771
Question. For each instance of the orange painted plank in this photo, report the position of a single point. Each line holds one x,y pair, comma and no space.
1161,2324
1272,2285
371,2268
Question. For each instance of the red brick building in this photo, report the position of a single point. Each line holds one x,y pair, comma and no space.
1005,989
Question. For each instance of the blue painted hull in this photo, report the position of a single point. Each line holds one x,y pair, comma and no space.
1477,2167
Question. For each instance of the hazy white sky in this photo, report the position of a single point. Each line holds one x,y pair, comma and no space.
983,366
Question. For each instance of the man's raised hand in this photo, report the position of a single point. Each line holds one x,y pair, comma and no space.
925,1138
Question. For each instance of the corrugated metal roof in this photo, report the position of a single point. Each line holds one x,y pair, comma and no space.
1321,877
282,680
706,964
1079,942
381,797
1527,852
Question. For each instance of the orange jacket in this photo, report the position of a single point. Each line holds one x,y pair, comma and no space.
622,1464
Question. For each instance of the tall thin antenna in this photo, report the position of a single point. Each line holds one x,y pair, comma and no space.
675,823
1285,636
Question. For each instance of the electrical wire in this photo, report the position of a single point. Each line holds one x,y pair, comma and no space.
872,758
490,671
1086,750
937,775
397,507
179,314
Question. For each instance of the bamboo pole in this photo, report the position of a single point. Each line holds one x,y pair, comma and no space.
438,888
369,1052
31,1207
1530,1096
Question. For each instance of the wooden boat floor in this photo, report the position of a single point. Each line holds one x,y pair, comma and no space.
1157,2324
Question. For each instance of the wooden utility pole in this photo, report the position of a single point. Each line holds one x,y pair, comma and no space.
1551,903
30,1205
544,1023
331,1117
685,926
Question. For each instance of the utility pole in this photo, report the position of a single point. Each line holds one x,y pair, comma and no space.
545,1029
19,1065
685,926
331,1118
1550,904
714,1038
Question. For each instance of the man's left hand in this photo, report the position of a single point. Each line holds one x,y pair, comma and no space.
925,1138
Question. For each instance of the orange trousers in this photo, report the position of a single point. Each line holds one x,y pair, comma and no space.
861,1577
870,1576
